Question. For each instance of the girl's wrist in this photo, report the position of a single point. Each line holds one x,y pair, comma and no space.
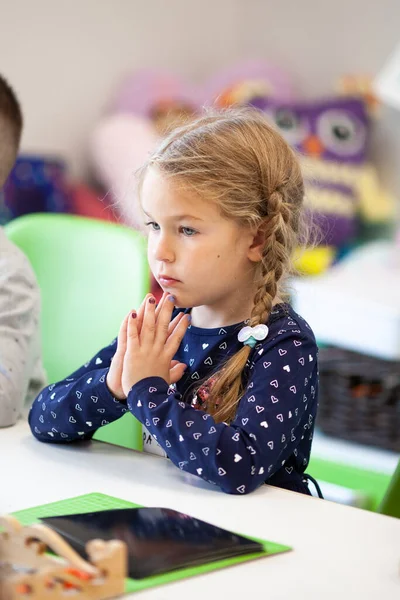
118,396
148,381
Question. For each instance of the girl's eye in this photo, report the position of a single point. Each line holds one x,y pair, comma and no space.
153,225
188,231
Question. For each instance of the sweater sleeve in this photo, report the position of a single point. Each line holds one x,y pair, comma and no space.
19,327
269,422
77,406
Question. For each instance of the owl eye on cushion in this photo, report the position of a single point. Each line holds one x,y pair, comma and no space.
291,124
288,118
341,132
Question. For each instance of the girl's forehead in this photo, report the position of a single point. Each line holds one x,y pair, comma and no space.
169,198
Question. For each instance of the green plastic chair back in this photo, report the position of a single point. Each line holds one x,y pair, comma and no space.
90,273
390,504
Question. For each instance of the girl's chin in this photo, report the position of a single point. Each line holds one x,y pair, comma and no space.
179,302
184,301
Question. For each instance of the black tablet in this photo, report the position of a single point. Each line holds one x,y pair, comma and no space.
159,540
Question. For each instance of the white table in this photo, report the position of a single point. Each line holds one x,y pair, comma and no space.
338,552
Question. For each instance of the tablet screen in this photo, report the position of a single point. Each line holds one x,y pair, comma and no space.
159,540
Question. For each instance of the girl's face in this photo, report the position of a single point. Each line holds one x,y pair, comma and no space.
196,254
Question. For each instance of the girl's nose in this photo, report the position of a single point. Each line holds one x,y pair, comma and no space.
163,250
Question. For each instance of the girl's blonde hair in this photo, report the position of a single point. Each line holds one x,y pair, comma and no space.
236,159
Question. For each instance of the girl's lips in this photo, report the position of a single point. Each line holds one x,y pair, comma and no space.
167,280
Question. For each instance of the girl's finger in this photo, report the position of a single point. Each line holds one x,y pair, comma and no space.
140,312
174,340
133,341
175,374
149,323
164,320
175,322
160,304
122,336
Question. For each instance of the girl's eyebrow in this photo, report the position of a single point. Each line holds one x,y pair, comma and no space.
177,217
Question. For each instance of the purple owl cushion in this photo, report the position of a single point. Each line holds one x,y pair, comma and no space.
332,137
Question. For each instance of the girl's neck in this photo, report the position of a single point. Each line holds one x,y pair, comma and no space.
210,317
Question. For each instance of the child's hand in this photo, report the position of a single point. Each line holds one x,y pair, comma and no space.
150,349
113,379
115,372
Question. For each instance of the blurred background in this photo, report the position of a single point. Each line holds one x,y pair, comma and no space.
100,80
66,62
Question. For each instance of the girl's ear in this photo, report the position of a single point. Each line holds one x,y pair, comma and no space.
256,248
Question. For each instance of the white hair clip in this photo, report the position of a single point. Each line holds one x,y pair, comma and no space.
251,335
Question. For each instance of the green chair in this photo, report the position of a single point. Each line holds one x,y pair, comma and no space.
390,504
91,273
366,486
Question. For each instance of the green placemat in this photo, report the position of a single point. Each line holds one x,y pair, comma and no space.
96,502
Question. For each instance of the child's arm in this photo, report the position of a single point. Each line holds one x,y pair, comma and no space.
75,407
277,410
19,330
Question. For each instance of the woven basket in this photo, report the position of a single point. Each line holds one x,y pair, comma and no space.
359,398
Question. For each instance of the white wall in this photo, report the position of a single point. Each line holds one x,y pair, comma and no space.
320,39
65,57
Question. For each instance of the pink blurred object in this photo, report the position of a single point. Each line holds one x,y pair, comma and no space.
240,83
146,92
120,144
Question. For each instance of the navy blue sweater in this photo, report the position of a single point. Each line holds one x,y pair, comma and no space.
268,441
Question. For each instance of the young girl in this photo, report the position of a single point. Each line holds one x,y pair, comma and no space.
227,382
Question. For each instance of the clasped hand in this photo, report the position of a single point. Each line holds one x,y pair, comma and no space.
147,342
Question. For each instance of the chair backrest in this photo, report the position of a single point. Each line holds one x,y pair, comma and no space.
390,504
90,273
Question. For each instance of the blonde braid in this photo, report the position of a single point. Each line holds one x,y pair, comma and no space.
229,386
276,257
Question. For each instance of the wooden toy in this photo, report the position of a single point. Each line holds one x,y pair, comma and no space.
38,564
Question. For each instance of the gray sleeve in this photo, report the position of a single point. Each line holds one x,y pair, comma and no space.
19,329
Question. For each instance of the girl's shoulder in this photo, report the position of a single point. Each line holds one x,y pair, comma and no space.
289,345
285,323
284,311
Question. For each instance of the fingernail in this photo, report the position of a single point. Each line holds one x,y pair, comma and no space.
189,318
172,298
134,315
152,300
